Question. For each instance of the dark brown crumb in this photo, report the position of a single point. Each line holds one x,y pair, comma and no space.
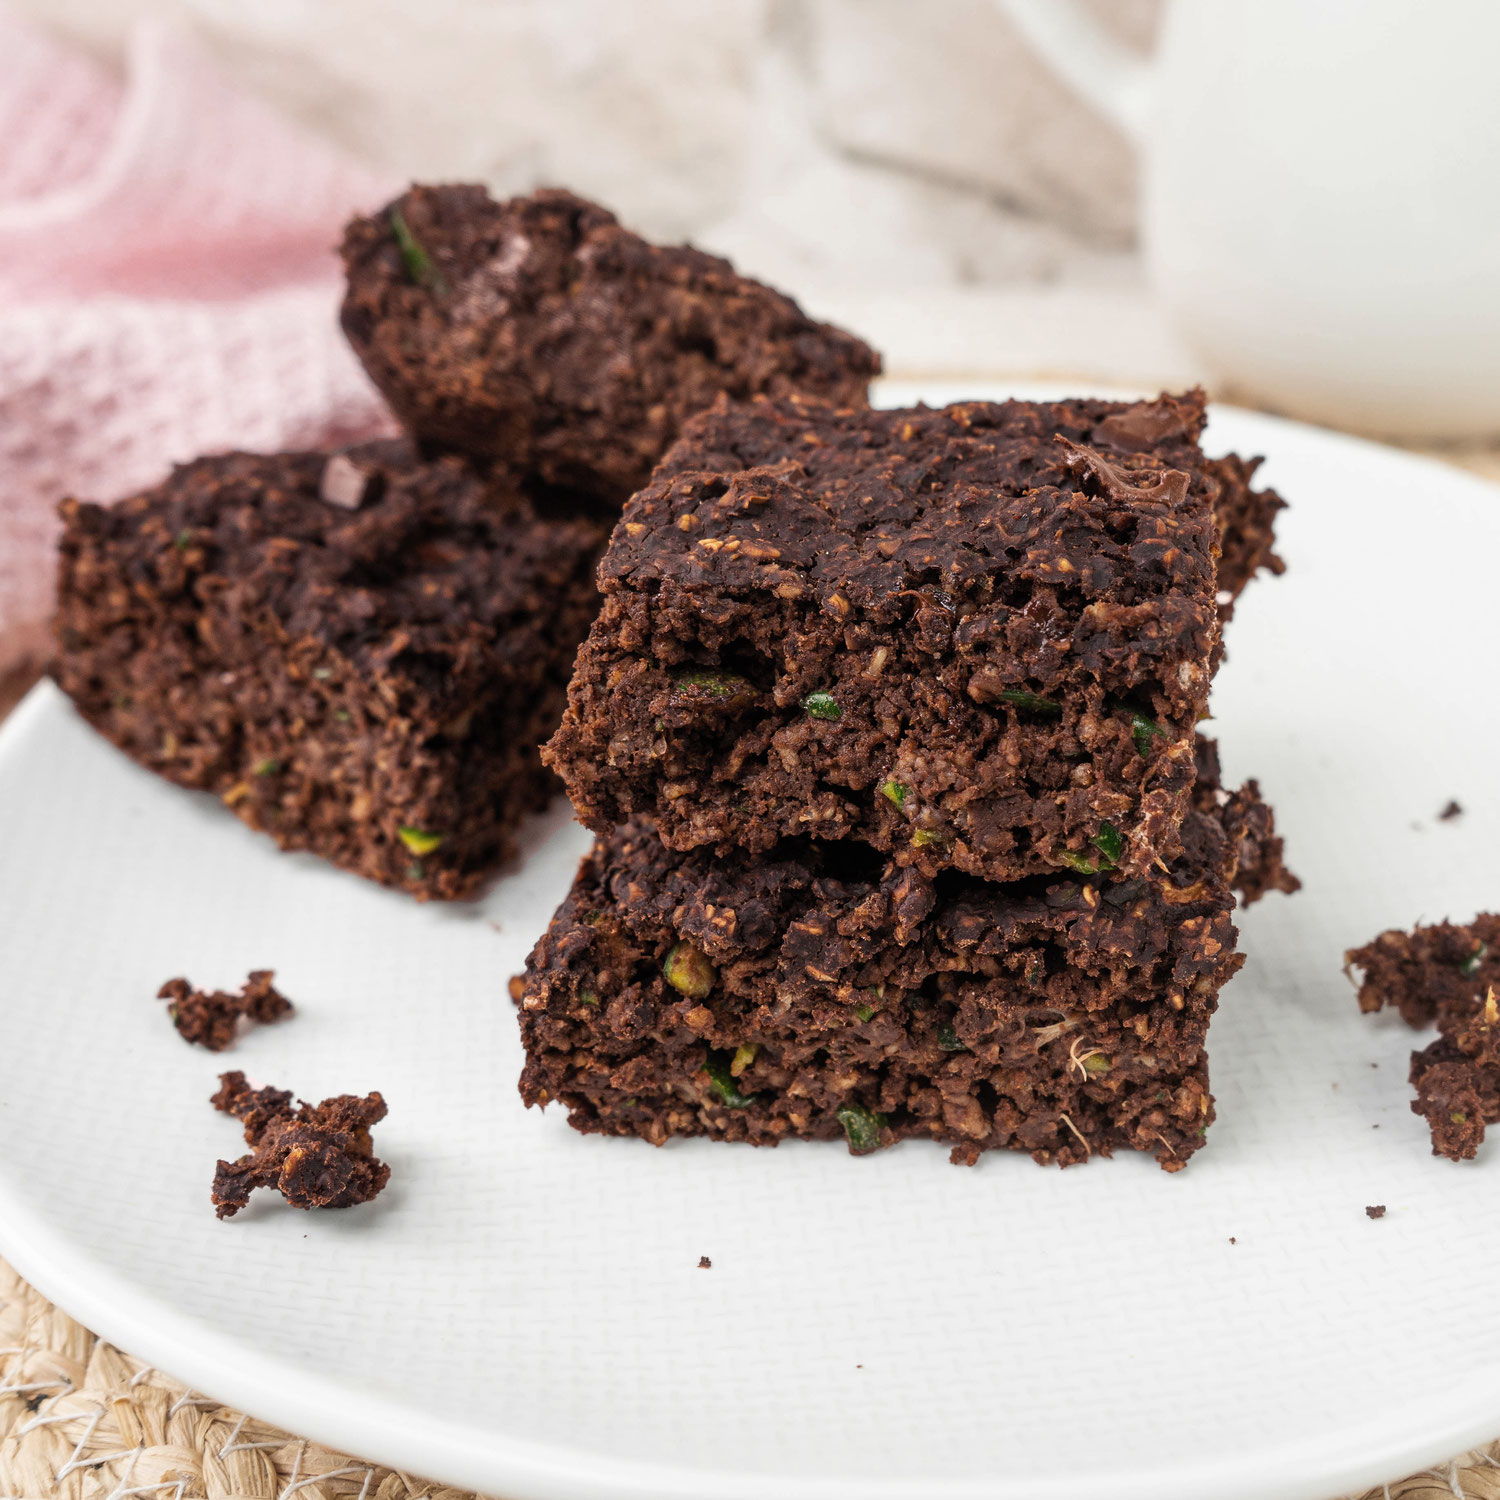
1375,1211
704,1263
1232,1240
1247,526
314,1155
213,1020
1451,811
1444,975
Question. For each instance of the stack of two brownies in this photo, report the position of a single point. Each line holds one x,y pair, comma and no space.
360,651
888,731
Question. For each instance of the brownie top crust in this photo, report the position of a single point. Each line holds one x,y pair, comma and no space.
541,332
371,552
949,519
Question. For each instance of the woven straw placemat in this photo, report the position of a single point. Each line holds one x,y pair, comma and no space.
81,1420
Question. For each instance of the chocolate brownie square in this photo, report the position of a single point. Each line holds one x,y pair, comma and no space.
963,636
826,992
541,333
358,652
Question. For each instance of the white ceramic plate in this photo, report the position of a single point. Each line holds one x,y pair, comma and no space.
523,1312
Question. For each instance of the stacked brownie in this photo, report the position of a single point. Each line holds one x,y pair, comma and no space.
887,728
360,652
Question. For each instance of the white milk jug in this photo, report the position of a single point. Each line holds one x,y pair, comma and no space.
1321,196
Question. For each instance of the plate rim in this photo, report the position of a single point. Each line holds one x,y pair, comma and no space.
381,1429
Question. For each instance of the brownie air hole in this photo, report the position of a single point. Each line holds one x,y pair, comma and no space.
758,669
850,862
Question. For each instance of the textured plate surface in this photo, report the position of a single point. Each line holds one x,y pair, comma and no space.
523,1312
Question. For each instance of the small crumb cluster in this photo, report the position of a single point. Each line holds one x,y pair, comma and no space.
1444,975
314,1155
213,1019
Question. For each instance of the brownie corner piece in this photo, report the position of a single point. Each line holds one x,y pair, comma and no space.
357,652
1443,975
824,992
979,638
487,325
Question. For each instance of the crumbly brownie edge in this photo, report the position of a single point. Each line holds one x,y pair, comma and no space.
1249,822
1445,975
1247,527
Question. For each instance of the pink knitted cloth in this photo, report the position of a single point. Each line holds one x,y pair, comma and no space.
168,287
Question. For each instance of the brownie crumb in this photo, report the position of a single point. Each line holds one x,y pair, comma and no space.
1375,1211
517,987
314,1155
1451,811
704,1263
214,1019
1444,975
1232,1240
